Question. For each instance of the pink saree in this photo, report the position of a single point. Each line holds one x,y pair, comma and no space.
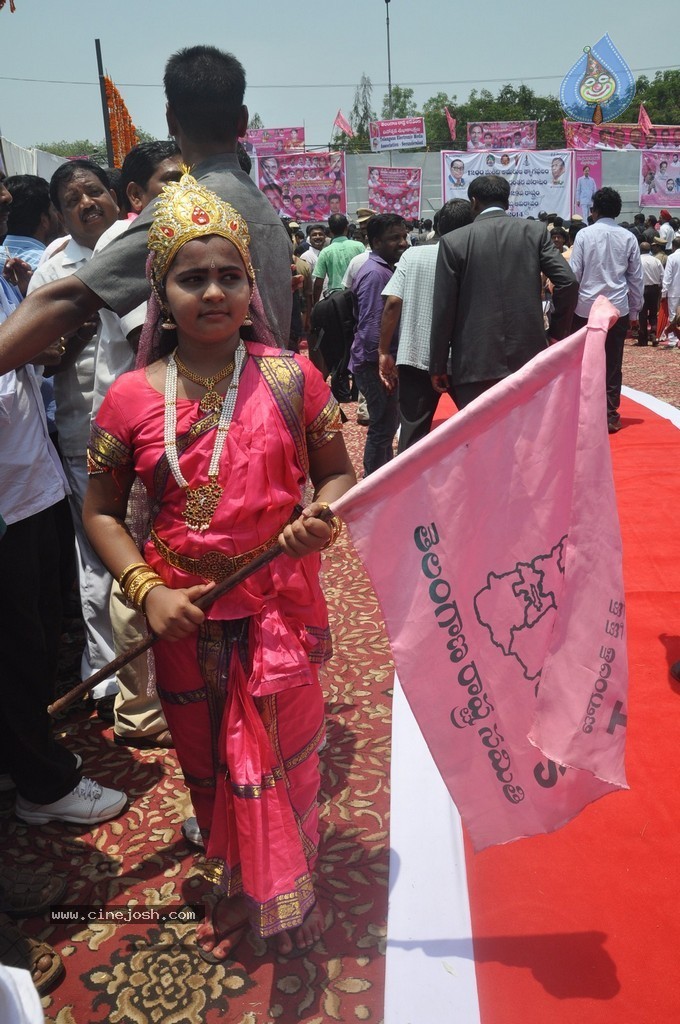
241,696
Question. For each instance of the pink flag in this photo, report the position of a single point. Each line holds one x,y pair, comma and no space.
494,549
451,121
343,124
644,120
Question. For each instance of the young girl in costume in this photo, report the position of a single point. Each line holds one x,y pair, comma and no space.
223,434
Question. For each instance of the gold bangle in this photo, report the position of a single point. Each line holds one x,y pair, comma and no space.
135,581
145,590
335,524
128,569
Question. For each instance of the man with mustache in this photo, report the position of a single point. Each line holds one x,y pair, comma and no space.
80,192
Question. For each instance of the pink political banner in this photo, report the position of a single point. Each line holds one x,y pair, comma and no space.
304,186
660,178
617,136
273,141
395,190
586,179
500,135
402,133
500,582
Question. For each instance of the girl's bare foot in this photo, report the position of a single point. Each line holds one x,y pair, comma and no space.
225,924
301,939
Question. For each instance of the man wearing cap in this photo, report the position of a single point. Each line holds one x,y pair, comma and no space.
666,230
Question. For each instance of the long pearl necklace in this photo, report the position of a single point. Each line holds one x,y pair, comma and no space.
201,502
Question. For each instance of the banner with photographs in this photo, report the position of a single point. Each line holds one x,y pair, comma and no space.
274,141
620,136
395,190
587,179
540,180
660,178
500,135
404,133
306,187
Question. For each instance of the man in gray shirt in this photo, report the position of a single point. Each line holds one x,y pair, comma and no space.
205,112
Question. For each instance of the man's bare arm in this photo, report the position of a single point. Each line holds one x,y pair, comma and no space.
50,312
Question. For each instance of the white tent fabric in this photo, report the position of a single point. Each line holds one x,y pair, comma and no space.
430,971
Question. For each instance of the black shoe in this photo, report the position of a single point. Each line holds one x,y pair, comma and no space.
613,426
104,708
675,671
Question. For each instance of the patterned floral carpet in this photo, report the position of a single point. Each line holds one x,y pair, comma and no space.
137,971
140,971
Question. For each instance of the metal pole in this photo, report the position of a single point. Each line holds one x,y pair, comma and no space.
105,106
389,63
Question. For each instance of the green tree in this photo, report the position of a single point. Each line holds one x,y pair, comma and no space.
661,97
79,148
403,104
255,121
359,117
436,125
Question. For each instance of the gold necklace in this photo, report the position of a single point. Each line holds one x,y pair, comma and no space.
211,401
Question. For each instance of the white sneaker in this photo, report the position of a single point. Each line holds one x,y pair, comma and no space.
7,782
88,804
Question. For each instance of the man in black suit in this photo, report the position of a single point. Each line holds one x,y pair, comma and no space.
487,318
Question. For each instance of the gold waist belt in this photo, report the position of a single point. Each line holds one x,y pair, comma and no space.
214,565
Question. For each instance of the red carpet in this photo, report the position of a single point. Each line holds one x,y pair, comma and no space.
578,927
582,925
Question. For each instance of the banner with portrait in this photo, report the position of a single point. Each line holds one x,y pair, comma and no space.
583,135
500,135
660,178
586,178
306,186
539,180
273,141
402,133
395,190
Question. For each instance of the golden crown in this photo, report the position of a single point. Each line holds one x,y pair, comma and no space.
184,211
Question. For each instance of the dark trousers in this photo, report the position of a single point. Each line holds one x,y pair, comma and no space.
613,350
30,628
383,415
463,394
417,406
649,313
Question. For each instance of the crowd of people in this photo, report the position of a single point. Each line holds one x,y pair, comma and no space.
158,416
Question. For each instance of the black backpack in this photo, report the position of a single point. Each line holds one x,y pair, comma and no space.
333,324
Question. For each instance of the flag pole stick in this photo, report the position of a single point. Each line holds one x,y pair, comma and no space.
219,590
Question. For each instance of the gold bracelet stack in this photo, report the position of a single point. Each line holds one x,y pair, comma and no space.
136,581
335,523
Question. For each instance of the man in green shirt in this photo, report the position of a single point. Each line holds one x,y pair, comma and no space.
334,259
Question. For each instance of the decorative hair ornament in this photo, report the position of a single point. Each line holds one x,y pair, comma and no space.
186,210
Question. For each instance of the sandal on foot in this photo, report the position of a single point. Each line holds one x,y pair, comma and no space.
239,934
160,740
237,930
38,958
27,893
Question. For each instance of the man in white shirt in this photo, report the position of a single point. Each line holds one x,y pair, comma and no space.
408,302
47,775
585,189
606,261
666,230
79,190
652,273
670,288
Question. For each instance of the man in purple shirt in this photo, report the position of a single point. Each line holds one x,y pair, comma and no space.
387,239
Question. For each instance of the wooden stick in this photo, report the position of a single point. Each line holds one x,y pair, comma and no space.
223,587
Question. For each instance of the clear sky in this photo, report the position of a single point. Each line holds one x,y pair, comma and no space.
302,61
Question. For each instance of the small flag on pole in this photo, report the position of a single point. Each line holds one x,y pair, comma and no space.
451,121
644,120
343,124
